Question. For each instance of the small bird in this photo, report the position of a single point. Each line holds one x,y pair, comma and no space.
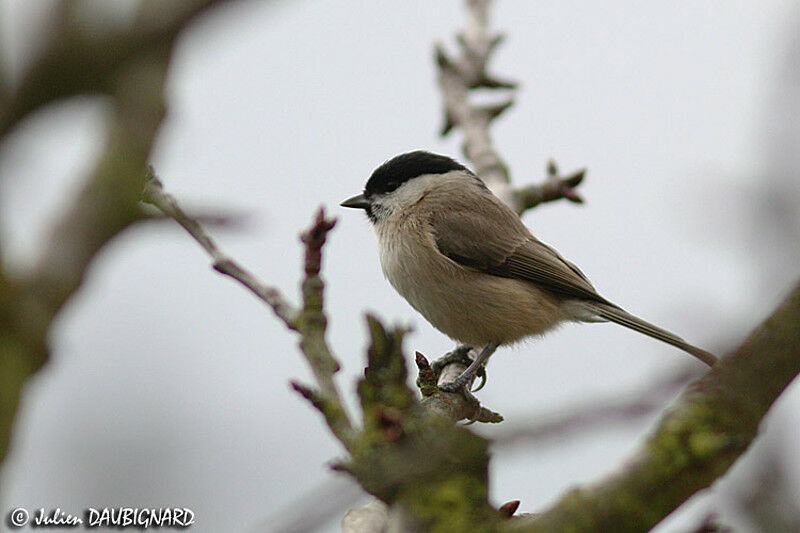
463,259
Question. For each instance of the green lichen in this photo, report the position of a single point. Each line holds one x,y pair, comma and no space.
453,504
704,445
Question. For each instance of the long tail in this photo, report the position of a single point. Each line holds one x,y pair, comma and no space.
623,318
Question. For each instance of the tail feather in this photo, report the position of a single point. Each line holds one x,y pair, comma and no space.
623,318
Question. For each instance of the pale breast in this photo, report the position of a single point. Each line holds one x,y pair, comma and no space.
465,304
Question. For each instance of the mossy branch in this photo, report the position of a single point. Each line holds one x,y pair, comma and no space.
129,66
713,423
312,325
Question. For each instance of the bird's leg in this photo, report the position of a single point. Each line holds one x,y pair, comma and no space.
461,381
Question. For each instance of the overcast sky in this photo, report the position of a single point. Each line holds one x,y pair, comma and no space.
169,384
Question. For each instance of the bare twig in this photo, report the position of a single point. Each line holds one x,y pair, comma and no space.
312,326
309,320
154,194
555,187
467,71
457,76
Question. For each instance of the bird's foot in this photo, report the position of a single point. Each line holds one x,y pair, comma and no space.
456,385
427,382
459,355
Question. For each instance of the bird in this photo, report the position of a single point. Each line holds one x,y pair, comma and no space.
465,261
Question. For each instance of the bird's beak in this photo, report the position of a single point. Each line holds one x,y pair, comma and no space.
356,202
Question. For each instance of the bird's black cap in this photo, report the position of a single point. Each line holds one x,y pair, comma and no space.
398,170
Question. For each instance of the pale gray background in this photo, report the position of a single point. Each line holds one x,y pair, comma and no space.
168,385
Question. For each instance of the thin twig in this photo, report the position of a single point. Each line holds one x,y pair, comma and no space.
467,71
457,76
312,325
554,187
309,321
154,194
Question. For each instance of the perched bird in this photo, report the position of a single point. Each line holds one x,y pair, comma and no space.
467,263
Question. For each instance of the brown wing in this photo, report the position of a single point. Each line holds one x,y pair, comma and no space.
492,239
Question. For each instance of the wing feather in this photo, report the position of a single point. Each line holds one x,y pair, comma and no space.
492,239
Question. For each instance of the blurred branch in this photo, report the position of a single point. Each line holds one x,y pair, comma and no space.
713,423
711,525
468,71
129,66
106,206
335,496
76,60
227,219
769,501
109,200
599,412
313,508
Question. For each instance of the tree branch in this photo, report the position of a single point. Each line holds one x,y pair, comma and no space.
713,423
155,195
598,412
309,321
448,405
403,453
459,75
312,325
105,207
76,61
132,74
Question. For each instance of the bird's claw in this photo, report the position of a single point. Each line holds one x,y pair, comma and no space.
459,355
481,373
